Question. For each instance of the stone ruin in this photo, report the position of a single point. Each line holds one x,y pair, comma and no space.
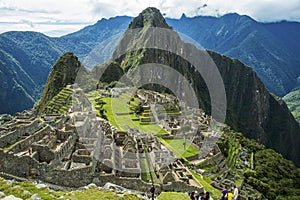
79,148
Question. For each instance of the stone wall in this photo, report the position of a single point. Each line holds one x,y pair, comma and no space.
70,178
191,158
179,186
130,183
13,136
81,158
212,160
140,185
19,165
29,140
65,149
44,153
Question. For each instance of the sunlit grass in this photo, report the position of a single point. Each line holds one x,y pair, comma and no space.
18,189
177,146
173,196
119,114
215,193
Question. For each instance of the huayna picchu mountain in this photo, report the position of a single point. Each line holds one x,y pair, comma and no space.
251,109
63,73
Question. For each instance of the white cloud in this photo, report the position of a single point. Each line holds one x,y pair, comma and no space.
47,16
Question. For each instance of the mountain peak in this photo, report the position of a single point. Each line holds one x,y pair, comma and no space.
63,73
183,16
150,17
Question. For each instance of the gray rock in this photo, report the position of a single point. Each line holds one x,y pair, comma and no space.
92,185
11,197
10,182
41,185
26,192
2,195
36,197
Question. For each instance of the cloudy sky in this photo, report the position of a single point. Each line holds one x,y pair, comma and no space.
56,17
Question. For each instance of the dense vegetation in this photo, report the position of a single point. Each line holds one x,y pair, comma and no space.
272,175
292,100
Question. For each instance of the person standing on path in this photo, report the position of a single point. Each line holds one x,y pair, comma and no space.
152,190
235,192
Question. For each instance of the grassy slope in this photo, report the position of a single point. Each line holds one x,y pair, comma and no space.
176,145
173,196
61,102
90,194
46,194
215,193
271,174
292,100
118,114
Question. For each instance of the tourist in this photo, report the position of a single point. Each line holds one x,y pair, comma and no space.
192,196
197,195
224,192
229,195
152,190
235,192
205,196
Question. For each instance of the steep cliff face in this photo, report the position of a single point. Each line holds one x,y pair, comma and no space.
63,73
251,109
247,98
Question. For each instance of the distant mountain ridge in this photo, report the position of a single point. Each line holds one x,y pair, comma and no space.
25,60
261,46
269,48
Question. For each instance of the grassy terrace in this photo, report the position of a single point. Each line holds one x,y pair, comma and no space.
234,148
177,146
204,181
119,114
146,174
173,196
145,170
61,102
